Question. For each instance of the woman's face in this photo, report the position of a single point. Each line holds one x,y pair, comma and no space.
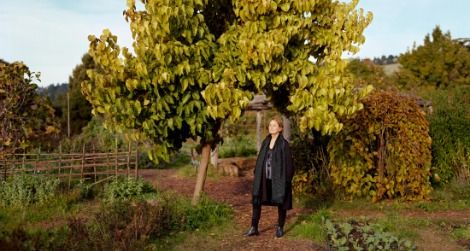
274,127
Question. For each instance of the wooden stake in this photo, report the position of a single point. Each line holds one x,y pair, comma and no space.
136,161
128,158
83,162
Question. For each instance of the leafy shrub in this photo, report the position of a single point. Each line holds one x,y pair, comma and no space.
357,236
126,189
22,190
450,132
384,151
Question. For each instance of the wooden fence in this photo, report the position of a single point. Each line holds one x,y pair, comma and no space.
71,166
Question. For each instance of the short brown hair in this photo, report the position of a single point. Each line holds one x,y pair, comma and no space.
278,120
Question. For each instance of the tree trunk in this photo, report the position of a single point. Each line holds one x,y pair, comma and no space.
201,173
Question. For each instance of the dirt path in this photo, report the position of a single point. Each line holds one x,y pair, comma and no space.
235,191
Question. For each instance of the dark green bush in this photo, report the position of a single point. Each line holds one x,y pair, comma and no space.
450,133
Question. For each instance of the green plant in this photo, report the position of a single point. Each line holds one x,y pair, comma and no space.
384,151
360,236
123,189
25,189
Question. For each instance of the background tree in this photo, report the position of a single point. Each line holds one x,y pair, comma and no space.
26,117
366,72
80,108
290,50
440,62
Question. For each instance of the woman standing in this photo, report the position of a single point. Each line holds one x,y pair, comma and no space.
272,184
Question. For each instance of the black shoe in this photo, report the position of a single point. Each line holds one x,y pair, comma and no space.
279,232
252,231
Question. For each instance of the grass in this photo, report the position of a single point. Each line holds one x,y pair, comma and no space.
461,233
201,239
402,227
311,226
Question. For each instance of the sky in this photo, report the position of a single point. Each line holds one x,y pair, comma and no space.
50,36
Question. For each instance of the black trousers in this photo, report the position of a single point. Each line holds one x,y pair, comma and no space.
281,215
281,212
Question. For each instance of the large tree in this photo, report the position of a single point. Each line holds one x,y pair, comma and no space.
26,117
227,51
439,62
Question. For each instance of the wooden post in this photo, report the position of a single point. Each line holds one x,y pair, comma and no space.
60,158
129,149
116,158
108,164
70,172
24,157
5,168
259,129
68,115
83,162
36,162
136,161
94,161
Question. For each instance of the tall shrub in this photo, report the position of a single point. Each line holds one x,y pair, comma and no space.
384,151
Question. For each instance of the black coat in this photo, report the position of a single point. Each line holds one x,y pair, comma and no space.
282,173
